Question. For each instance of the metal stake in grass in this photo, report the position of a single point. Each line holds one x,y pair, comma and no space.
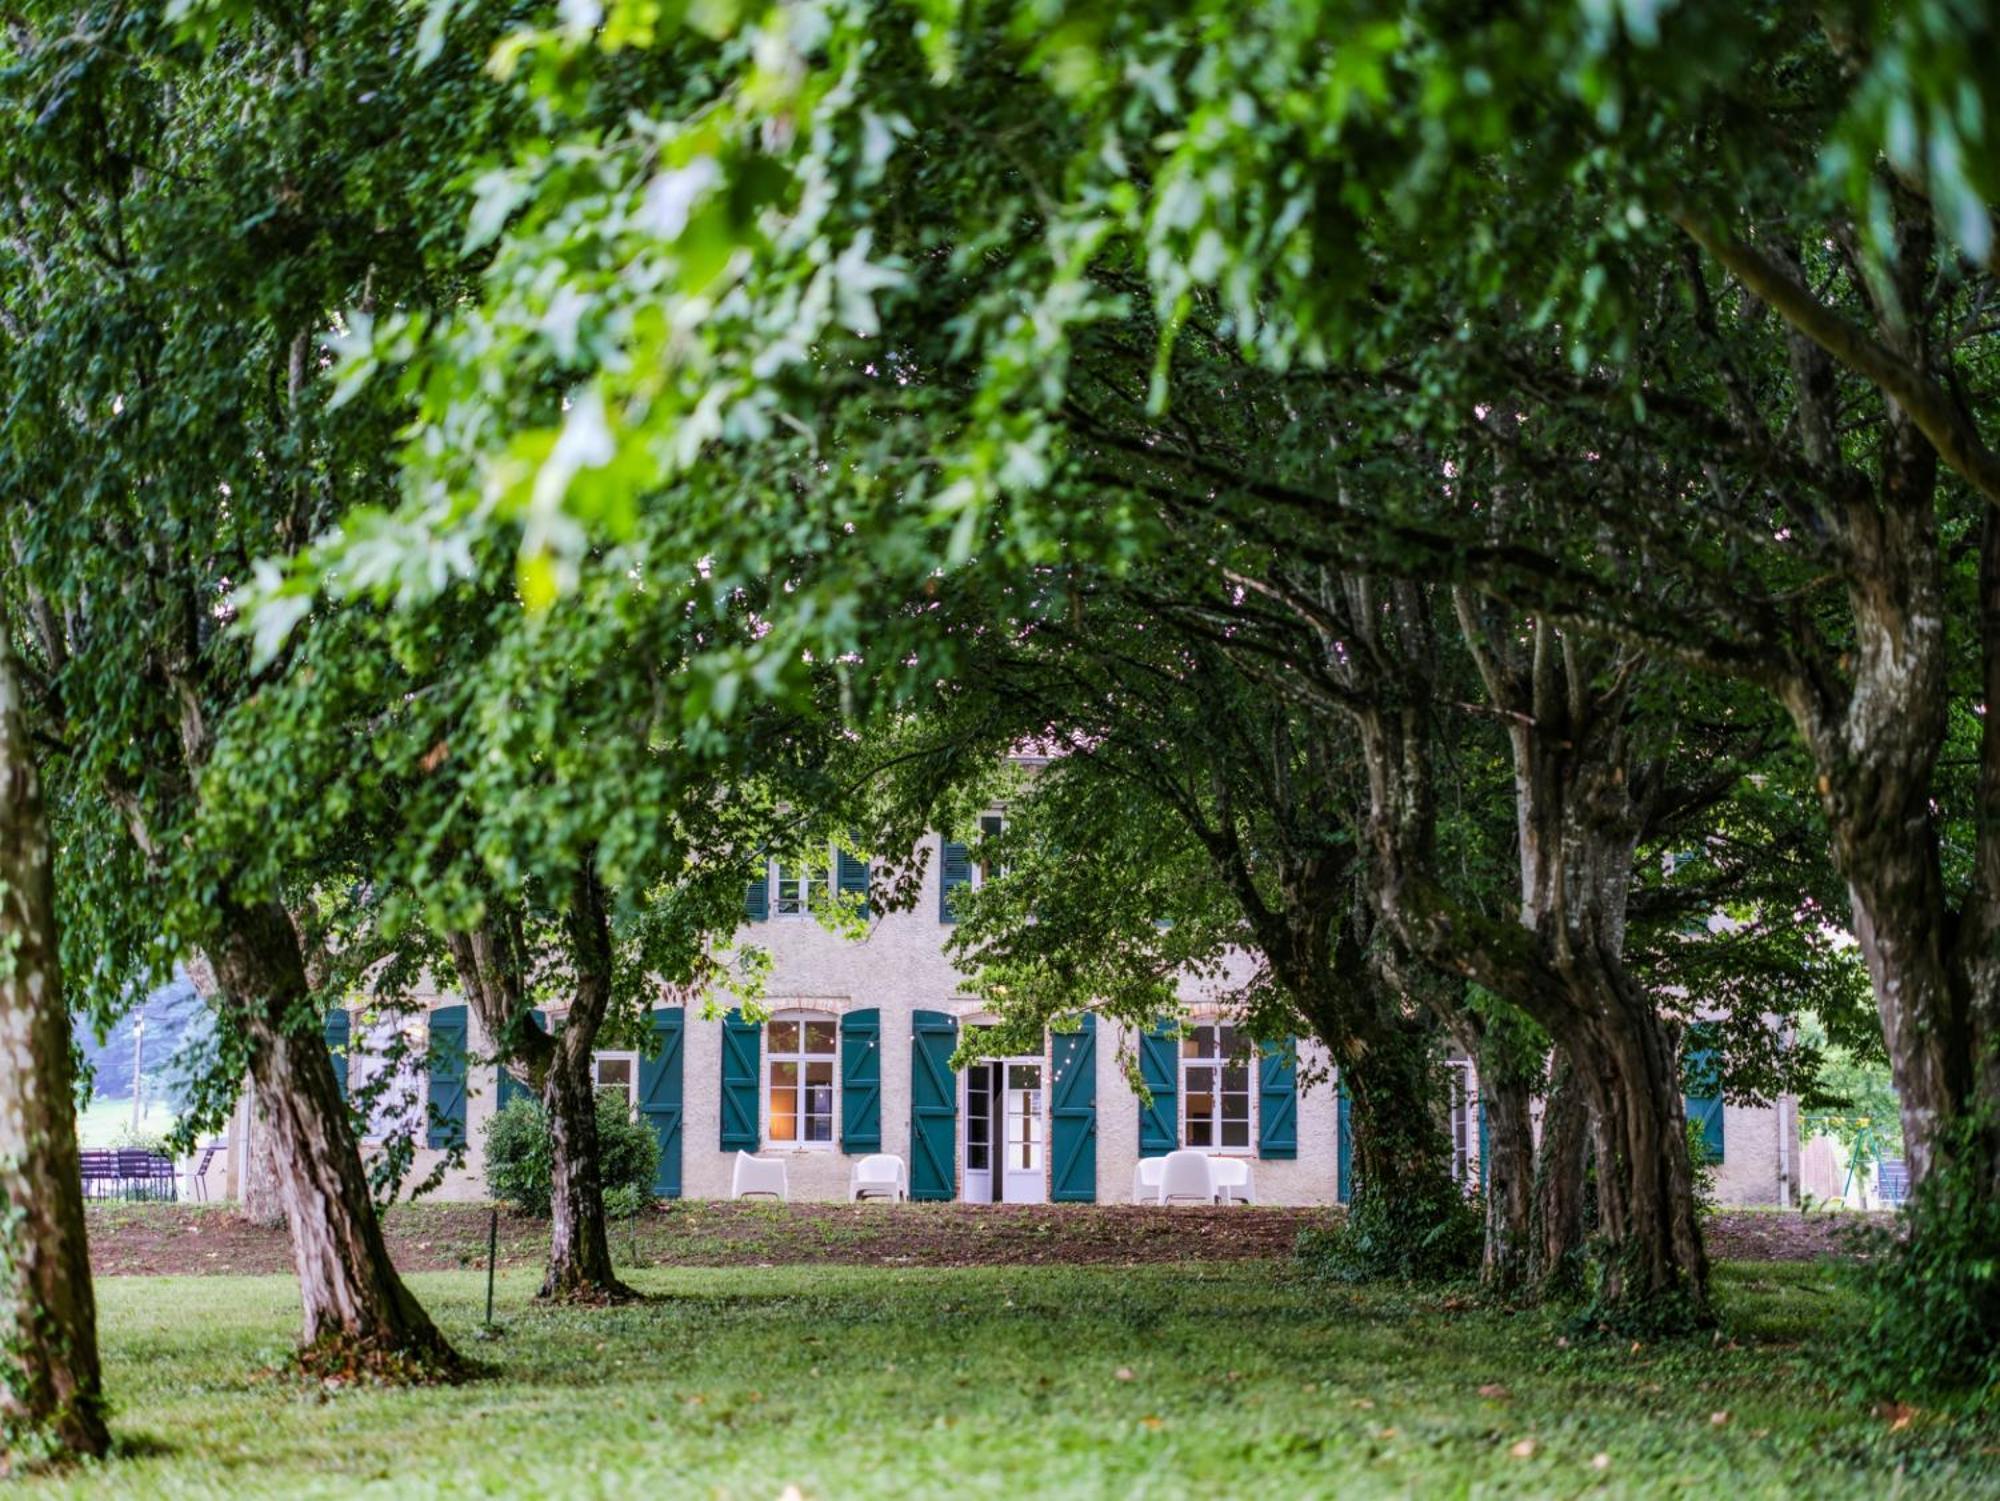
490,1330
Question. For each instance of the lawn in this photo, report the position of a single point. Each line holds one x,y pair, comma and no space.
1151,1381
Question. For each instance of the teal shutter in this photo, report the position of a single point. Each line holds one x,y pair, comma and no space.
446,1058
757,895
1705,1109
1160,1071
1278,1100
954,871
660,1097
742,1049
1073,1115
933,1106
511,1086
339,1028
1483,1183
1343,1182
861,1082
851,877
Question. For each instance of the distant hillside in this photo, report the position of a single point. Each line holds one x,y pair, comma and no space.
176,1020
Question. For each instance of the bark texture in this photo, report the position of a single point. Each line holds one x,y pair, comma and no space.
1579,817
492,963
1561,1212
357,1312
51,1399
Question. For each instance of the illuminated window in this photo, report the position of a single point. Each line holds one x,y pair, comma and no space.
799,1081
1215,1087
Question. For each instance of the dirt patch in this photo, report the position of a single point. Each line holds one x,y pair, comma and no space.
211,1239
156,1239
1768,1235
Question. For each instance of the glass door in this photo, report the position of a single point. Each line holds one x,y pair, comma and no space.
978,1176
1025,1173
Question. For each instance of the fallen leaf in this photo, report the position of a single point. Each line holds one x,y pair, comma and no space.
1525,1449
1899,1414
1495,1391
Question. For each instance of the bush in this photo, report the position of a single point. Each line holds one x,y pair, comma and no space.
1704,1170
518,1158
1933,1288
1413,1237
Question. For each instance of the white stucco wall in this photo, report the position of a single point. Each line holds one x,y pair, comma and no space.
899,967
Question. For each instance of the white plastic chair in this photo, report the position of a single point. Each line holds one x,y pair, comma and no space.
1146,1180
878,1176
754,1175
1232,1179
1186,1178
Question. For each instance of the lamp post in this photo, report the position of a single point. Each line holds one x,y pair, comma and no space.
138,1076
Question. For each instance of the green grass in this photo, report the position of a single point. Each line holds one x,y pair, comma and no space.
104,1122
1245,1380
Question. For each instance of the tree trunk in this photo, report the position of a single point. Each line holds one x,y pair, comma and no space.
1507,1178
1405,1202
51,1401
358,1314
1646,1223
492,963
263,1201
1561,1179
579,1246
579,1268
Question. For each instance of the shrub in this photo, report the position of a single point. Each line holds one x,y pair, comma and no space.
1933,1287
518,1157
1704,1170
1414,1237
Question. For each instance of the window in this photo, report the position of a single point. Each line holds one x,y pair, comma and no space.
979,1117
1024,1117
799,1088
1461,1123
990,825
386,1073
1216,1087
617,1072
797,885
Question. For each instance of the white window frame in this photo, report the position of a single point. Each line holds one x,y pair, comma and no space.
993,821
808,877
1464,1150
616,1056
363,1063
1216,1062
801,1058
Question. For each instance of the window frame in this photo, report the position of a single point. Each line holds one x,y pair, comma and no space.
988,824
821,875
1461,1107
361,1059
800,1057
617,1055
1215,1062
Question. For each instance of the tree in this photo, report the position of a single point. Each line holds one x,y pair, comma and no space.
51,1398
181,227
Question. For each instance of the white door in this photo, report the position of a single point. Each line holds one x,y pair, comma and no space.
978,1114
1024,1177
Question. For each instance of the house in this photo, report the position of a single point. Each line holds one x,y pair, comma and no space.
855,1058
